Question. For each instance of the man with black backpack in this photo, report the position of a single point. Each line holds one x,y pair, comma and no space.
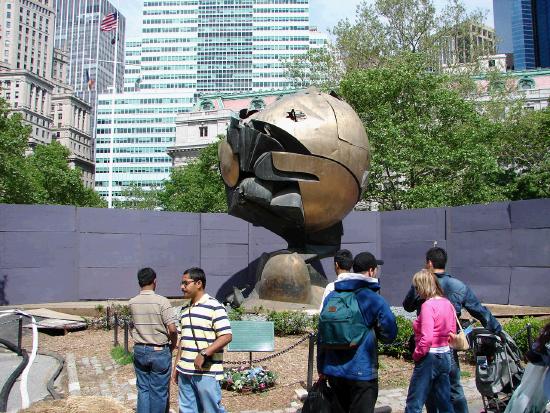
353,317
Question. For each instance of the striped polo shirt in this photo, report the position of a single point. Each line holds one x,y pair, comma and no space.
151,314
208,319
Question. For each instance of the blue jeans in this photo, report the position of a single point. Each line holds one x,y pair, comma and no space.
199,394
152,378
431,378
460,405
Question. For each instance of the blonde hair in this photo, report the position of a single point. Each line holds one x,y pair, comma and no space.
426,284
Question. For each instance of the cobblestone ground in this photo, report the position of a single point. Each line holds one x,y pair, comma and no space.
92,377
96,377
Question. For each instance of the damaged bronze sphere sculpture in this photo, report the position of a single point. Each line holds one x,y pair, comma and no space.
297,168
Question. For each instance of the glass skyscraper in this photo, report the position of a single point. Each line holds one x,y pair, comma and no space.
542,44
91,51
523,27
189,48
523,35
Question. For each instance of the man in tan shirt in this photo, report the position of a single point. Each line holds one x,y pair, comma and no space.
155,337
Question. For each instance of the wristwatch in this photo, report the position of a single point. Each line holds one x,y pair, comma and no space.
203,353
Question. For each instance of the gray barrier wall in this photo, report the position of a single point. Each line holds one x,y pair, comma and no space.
62,253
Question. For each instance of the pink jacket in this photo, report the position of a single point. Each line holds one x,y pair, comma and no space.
433,325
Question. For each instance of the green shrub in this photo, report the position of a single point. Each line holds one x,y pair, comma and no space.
517,328
399,348
100,310
235,314
314,323
289,322
121,357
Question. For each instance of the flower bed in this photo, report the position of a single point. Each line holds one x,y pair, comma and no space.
247,380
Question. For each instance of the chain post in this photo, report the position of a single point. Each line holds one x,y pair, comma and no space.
310,361
20,336
115,328
108,318
126,336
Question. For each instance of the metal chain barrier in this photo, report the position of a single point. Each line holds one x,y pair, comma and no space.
271,356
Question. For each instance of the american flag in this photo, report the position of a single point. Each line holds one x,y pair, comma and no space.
109,22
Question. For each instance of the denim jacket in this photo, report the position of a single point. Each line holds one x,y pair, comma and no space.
460,295
362,363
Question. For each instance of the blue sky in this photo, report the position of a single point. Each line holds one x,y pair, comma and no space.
323,13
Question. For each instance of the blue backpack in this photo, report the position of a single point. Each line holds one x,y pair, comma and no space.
341,323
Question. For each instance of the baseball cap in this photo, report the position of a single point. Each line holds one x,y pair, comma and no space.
365,261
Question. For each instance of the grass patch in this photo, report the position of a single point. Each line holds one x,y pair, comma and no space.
121,357
465,374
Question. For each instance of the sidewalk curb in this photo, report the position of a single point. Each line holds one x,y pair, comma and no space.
74,385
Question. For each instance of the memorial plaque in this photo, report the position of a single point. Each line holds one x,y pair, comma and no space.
252,336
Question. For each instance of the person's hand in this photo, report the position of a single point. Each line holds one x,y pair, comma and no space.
174,376
199,361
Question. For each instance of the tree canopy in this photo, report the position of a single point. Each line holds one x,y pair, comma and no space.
430,147
196,187
43,177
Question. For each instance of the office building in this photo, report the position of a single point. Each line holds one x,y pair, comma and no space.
210,117
91,50
26,48
523,27
189,49
472,43
502,11
71,120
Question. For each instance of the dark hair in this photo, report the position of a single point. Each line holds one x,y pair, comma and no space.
196,274
344,259
365,261
146,276
437,256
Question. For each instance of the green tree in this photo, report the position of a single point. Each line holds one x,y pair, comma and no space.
387,28
17,182
62,184
524,154
196,187
43,177
136,197
390,27
430,147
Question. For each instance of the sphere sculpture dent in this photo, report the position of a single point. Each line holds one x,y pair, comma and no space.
297,168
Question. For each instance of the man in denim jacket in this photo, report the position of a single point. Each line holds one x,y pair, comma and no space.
461,296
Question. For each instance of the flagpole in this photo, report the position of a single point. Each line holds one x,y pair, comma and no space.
113,94
94,91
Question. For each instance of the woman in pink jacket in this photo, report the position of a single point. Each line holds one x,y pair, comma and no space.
432,356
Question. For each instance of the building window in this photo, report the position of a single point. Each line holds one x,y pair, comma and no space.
203,131
207,105
526,83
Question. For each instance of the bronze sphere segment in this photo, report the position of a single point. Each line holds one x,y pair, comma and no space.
327,126
328,200
229,164
285,278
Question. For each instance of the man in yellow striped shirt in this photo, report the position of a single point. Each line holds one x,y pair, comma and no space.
204,331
